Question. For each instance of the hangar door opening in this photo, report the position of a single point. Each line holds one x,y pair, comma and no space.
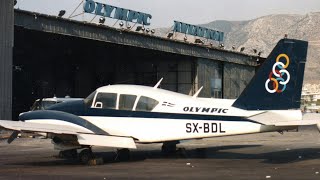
47,65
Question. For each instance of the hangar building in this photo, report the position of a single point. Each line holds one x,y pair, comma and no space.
42,56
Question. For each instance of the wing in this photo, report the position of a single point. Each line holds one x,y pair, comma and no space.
42,127
84,136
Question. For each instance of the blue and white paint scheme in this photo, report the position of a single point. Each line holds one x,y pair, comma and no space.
122,115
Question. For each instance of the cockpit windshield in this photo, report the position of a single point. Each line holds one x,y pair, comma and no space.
89,100
41,105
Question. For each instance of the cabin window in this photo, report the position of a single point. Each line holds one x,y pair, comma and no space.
146,104
106,101
126,101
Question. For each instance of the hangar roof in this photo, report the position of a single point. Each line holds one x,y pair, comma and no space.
53,24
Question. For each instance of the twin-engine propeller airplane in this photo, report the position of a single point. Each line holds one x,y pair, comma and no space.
122,115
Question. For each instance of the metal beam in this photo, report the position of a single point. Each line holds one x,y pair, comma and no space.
6,46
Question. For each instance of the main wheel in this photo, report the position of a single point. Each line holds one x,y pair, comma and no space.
68,154
123,154
85,156
169,147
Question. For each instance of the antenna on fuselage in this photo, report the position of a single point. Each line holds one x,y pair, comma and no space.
197,93
158,84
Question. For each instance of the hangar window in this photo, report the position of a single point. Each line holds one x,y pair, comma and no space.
146,104
126,101
106,101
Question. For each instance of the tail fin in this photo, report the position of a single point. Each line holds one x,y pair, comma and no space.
278,83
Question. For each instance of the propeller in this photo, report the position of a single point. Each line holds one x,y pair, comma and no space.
13,136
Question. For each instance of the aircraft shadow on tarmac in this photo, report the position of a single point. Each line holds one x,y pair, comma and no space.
276,157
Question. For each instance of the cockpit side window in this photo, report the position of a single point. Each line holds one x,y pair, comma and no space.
89,100
146,104
106,101
126,101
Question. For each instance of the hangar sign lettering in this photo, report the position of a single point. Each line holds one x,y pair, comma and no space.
105,10
198,31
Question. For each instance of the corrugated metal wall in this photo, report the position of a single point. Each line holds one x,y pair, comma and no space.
236,78
210,76
6,48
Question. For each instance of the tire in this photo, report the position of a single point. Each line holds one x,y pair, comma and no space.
68,154
124,154
169,148
85,156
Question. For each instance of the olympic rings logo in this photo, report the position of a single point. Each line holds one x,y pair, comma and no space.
277,75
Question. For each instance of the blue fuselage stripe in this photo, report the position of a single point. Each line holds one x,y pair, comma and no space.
157,115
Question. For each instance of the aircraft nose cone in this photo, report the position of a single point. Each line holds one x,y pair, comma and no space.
75,108
72,107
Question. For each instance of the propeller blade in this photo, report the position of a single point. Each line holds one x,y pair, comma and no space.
13,136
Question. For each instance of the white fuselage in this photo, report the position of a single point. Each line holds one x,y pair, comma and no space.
185,117
148,130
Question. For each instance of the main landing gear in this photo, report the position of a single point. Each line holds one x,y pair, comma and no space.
123,155
170,149
68,154
85,156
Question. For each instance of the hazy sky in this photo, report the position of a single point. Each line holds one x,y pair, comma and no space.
189,11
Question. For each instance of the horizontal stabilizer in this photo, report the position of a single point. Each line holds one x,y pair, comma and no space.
106,141
276,118
298,123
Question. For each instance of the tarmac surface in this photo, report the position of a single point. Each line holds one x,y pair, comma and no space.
293,155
